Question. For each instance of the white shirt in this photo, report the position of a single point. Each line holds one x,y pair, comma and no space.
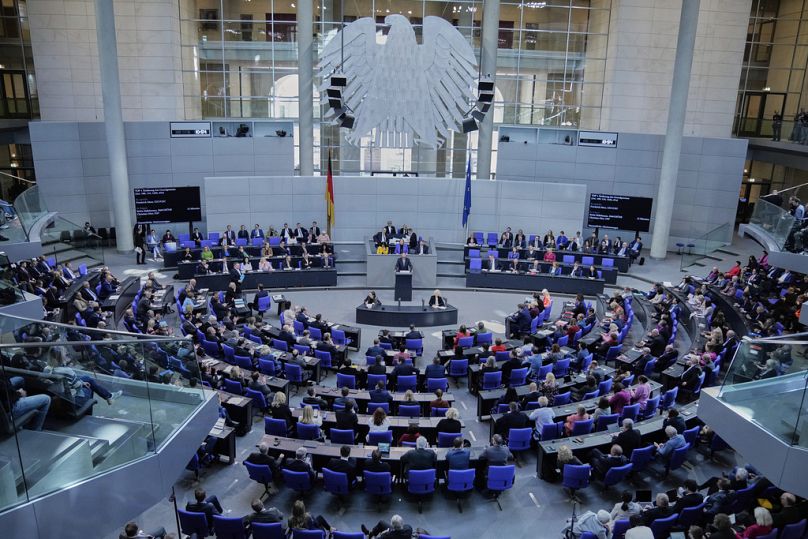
640,532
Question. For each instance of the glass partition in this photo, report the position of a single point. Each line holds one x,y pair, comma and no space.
704,245
76,402
766,384
62,236
776,221
29,208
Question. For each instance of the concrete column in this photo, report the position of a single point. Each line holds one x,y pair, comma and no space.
305,69
488,68
459,155
672,149
113,122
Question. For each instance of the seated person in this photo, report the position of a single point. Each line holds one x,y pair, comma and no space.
603,463
420,458
209,505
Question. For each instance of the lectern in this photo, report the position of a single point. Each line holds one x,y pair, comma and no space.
403,291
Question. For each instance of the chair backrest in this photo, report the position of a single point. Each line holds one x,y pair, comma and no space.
264,303
576,476
616,474
475,265
690,435
669,398
492,380
385,436
563,398
228,527
372,406
518,377
409,410
374,379
316,333
280,345
260,473
257,397
484,338
299,481
502,355
691,515
347,535
243,362
641,456
458,367
307,534
294,373
678,457
661,527
605,386
561,367
233,386
465,342
266,530
345,437
591,395
379,483
346,380
562,341
630,412
619,529
582,427
794,531
550,431
421,481
193,523
403,383
307,432
414,344
605,420
275,427
338,336
519,439
433,384
266,366
298,326
445,439
501,477
544,370
335,482
460,481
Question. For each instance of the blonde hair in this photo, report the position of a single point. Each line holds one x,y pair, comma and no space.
279,399
409,396
550,378
452,413
564,453
308,415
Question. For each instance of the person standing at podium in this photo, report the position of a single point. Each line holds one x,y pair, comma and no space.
403,263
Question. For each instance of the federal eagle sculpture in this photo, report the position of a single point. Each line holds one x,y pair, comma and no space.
409,93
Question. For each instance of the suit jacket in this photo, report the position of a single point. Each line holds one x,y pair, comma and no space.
257,233
297,465
88,294
107,289
629,440
267,516
346,420
655,513
404,533
343,466
380,395
203,507
419,459
377,467
688,500
509,421
403,264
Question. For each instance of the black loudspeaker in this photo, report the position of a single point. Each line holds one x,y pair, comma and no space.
335,103
477,115
642,260
469,125
485,86
339,80
346,121
335,93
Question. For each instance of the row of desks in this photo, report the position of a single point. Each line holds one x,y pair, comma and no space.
187,269
523,281
650,429
608,273
362,397
622,263
172,258
272,279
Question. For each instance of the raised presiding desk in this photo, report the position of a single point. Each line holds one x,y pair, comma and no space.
650,429
272,279
404,315
561,284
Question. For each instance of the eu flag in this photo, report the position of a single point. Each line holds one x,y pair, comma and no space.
467,199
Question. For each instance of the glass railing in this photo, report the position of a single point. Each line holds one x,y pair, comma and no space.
774,220
30,208
705,244
9,292
766,383
109,398
65,240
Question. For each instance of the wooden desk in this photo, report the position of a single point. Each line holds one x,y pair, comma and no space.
225,441
362,398
240,410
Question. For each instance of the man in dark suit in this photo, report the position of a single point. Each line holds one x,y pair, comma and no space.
375,350
403,369
205,504
257,232
312,398
262,458
236,276
196,237
512,419
790,513
690,498
344,464
420,458
642,361
346,419
107,288
667,359
380,238
435,369
299,463
690,376
521,320
656,343
262,515
87,293
380,394
132,531
389,229
301,234
661,509
376,464
395,530
508,367
413,334
314,231
675,420
243,233
261,293
257,385
603,463
378,367
628,438
403,263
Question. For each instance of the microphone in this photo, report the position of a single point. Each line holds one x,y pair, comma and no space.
423,306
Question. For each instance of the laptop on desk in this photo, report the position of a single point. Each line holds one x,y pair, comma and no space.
643,498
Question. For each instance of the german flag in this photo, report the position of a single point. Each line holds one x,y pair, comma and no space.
329,197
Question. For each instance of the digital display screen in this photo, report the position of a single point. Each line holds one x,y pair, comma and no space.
619,212
167,205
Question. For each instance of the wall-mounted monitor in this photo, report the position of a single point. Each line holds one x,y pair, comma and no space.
619,212
190,129
154,205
